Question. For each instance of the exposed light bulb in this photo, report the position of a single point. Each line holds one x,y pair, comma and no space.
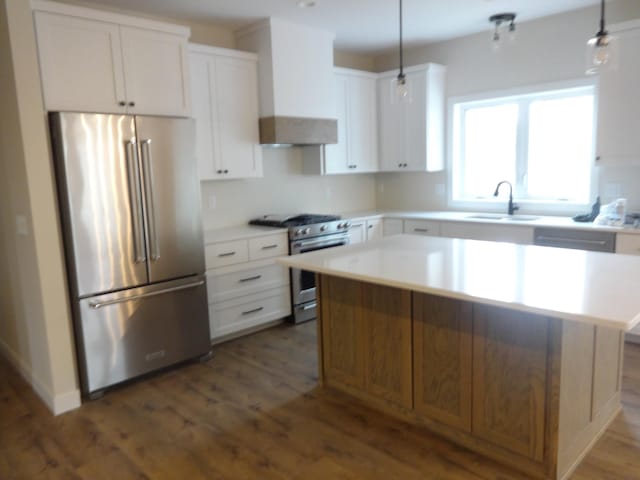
599,53
401,89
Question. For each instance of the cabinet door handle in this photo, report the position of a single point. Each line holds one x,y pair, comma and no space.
255,310
226,171
122,103
227,254
250,279
132,104
370,226
269,247
421,230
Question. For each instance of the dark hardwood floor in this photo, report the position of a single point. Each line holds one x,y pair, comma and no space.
255,411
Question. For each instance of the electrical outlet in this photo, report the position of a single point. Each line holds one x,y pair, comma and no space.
213,201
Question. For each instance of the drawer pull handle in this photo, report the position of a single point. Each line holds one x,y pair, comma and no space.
255,310
228,254
269,247
249,279
423,230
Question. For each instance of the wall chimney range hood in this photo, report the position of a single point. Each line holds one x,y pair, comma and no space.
295,70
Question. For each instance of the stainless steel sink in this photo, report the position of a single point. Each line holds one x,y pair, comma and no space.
501,217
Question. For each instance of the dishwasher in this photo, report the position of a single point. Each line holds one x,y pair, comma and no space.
576,239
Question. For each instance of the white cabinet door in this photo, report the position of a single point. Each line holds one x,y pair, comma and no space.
619,104
391,226
628,243
224,88
374,229
336,155
362,124
422,227
357,232
411,131
155,68
236,99
80,64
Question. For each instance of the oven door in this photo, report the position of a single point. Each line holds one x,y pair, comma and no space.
303,283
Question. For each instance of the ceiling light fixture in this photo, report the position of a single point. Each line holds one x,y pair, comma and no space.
401,87
499,20
599,48
306,3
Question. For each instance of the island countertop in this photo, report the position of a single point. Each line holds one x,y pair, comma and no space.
589,287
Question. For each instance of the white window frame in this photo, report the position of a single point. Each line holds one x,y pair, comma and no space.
542,91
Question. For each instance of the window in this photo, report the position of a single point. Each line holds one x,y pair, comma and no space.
541,142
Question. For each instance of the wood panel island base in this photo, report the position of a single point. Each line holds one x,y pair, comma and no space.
531,391
530,384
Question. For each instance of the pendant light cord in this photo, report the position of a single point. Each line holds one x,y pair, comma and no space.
602,31
401,53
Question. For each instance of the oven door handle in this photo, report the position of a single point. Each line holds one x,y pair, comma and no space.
342,240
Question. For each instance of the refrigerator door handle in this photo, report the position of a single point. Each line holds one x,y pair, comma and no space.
145,151
97,305
131,158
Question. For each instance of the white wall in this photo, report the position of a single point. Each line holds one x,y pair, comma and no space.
546,50
35,326
284,189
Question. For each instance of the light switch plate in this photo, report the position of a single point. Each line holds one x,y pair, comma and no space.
22,228
213,201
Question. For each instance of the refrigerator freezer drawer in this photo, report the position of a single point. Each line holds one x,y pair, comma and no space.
126,334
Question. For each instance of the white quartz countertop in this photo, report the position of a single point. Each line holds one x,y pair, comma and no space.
589,287
452,216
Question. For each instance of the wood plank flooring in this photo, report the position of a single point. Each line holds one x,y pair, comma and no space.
255,411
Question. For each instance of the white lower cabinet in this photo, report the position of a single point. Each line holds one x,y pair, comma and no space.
629,244
365,229
422,227
374,228
246,287
495,233
391,226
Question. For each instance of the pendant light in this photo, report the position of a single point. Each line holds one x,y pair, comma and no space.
401,87
498,21
599,48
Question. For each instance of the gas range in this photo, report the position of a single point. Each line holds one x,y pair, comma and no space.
305,225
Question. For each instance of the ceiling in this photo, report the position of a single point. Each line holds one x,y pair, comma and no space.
360,25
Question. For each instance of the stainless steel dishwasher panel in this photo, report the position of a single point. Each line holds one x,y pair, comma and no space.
577,239
130,333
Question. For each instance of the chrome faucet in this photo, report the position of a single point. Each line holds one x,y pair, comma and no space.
512,206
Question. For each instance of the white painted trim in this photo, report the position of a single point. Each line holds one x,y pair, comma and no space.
57,404
222,52
104,16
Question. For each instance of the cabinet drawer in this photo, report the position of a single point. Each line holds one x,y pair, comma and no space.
422,227
226,253
268,246
252,280
249,311
628,243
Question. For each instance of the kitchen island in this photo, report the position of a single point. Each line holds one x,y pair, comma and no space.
513,351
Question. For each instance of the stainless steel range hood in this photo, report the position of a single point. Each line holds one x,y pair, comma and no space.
295,68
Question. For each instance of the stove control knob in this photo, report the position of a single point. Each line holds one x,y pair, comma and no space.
323,228
306,231
340,225
298,232
346,224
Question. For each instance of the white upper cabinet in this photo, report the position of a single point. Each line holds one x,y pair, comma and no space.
92,61
224,86
411,132
619,102
356,112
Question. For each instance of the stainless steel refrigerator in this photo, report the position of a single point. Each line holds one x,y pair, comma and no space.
130,208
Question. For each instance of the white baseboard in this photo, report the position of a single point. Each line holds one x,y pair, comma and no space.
58,403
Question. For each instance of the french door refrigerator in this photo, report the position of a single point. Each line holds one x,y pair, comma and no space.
130,209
